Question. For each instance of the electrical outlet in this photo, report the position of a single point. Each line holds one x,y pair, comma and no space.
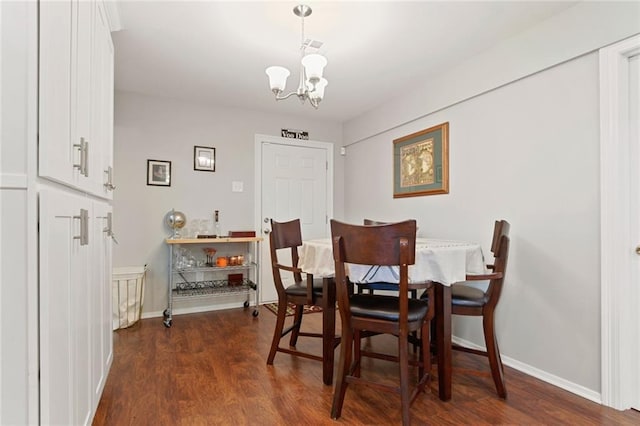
237,186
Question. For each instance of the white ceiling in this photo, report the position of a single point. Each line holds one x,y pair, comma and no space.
216,52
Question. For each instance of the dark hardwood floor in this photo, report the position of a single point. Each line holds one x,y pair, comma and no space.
210,369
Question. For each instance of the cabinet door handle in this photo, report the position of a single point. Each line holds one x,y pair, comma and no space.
109,228
83,147
80,147
86,158
109,184
84,227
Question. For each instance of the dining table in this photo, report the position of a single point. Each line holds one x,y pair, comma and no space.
441,261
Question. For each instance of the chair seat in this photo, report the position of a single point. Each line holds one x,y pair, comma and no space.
464,295
385,307
379,286
300,288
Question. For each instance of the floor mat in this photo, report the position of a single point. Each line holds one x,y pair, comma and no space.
273,307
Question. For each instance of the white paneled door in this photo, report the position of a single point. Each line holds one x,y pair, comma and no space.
620,222
295,184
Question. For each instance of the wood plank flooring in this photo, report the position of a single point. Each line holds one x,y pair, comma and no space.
210,369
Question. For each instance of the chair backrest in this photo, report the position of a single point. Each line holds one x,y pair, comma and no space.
369,222
285,235
374,244
500,229
392,244
500,268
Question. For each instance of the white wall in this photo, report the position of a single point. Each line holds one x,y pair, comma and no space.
528,153
524,146
18,239
162,129
576,31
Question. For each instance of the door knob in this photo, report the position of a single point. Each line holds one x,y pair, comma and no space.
638,250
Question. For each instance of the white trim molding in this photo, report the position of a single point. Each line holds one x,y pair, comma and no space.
13,181
537,373
619,348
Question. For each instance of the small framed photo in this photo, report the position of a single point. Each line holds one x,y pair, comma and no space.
204,158
158,173
421,163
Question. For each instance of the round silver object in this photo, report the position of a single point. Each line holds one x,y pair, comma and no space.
176,219
302,10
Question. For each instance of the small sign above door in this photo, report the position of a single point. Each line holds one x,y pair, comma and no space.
294,134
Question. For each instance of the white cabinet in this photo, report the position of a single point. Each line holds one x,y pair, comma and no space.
101,173
101,337
57,155
76,348
75,148
65,395
76,96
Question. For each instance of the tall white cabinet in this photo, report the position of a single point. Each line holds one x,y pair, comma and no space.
76,96
56,143
75,110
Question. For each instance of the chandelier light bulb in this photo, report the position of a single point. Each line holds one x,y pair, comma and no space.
277,78
317,92
314,66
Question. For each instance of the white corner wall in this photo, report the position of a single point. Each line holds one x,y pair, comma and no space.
18,217
524,146
528,153
163,129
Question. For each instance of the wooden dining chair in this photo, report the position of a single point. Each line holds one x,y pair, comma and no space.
469,300
309,291
387,245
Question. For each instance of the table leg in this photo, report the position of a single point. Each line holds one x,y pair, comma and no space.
328,328
443,339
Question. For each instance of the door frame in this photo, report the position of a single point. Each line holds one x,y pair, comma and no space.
620,348
261,140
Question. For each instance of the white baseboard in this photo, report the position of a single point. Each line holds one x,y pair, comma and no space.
574,388
194,310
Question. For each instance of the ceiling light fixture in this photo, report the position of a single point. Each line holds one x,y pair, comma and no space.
312,84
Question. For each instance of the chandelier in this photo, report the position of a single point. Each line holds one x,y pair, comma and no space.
312,84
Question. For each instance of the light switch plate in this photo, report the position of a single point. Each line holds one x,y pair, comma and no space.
237,186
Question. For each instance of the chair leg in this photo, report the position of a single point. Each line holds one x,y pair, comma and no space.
497,370
329,341
297,321
425,352
277,332
357,352
343,368
403,351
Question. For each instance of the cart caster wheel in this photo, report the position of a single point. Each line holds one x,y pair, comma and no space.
255,313
246,304
167,323
166,313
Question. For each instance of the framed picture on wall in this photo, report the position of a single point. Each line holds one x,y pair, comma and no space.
204,158
158,173
421,163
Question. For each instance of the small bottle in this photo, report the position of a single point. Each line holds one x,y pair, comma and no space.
216,224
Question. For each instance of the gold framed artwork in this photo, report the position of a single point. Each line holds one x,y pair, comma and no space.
421,163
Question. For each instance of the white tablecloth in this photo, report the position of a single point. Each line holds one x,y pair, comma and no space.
442,261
